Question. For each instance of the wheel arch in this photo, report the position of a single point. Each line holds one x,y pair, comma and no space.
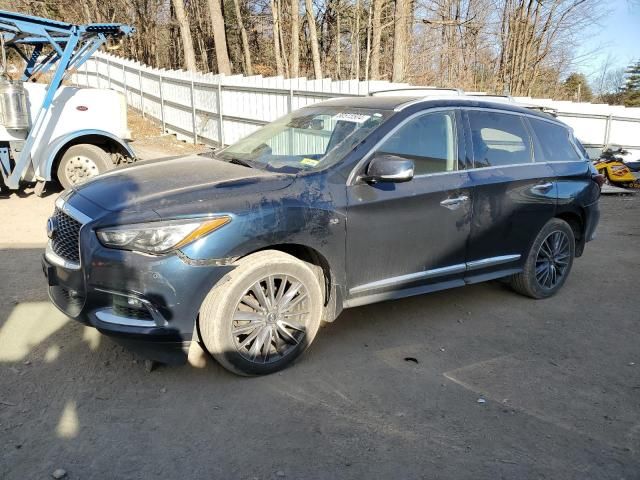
576,222
306,254
105,140
333,294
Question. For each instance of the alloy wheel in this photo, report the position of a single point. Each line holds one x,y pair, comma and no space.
270,319
553,259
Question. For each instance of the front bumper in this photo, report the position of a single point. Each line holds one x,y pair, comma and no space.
149,303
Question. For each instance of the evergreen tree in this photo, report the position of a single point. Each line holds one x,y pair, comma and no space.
632,86
577,88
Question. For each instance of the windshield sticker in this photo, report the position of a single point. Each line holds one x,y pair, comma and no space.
309,161
352,117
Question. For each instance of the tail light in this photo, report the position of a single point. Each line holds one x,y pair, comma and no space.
598,178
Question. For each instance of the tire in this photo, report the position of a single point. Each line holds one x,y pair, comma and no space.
82,162
545,274
245,337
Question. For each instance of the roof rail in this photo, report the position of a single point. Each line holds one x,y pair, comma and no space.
496,98
416,91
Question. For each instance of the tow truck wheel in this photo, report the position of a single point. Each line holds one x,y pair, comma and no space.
82,162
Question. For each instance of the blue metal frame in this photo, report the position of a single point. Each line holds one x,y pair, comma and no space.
71,45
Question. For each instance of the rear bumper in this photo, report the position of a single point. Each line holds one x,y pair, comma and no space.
592,217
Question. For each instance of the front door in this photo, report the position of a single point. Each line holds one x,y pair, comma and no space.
408,235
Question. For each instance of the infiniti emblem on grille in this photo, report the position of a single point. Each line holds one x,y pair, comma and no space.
52,226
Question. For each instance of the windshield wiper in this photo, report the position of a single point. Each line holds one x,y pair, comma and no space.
238,161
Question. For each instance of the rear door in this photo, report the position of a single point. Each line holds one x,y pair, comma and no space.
403,235
514,196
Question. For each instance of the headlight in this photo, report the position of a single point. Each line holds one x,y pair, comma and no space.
159,237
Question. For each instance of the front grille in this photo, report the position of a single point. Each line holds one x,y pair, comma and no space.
65,242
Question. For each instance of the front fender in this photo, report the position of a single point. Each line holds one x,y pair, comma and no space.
50,153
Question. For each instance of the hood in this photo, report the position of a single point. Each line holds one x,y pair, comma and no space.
158,184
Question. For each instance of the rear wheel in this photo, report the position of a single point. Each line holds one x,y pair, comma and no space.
262,315
82,162
549,261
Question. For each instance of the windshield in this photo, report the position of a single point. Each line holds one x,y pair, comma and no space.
310,138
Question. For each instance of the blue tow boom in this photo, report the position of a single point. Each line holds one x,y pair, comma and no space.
43,44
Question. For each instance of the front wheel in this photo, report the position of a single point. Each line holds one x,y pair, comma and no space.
82,162
549,261
263,314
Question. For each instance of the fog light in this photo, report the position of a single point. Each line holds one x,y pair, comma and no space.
134,302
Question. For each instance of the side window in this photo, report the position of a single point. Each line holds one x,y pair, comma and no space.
554,143
429,140
498,139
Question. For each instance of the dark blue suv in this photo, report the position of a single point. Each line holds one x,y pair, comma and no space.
340,204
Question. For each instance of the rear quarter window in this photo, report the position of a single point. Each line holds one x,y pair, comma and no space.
553,142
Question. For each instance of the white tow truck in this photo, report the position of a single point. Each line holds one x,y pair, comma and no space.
51,132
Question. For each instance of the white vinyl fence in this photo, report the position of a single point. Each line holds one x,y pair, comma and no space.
218,109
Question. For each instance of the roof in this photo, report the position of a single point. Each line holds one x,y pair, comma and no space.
401,102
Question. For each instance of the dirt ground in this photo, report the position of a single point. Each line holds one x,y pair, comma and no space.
502,386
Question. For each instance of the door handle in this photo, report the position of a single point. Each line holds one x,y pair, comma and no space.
543,187
453,203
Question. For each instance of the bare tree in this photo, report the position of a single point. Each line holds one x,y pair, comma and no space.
276,38
185,35
246,51
376,35
219,37
355,43
295,38
530,31
313,39
399,41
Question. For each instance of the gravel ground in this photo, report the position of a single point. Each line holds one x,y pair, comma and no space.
501,387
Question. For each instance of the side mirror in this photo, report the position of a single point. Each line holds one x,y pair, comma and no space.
388,168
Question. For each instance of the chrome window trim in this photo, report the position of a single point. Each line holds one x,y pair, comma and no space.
352,175
436,272
510,165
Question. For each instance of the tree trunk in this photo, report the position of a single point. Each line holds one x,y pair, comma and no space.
276,39
248,69
339,46
313,39
295,38
356,44
368,54
376,35
201,34
185,35
219,37
399,41
283,49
